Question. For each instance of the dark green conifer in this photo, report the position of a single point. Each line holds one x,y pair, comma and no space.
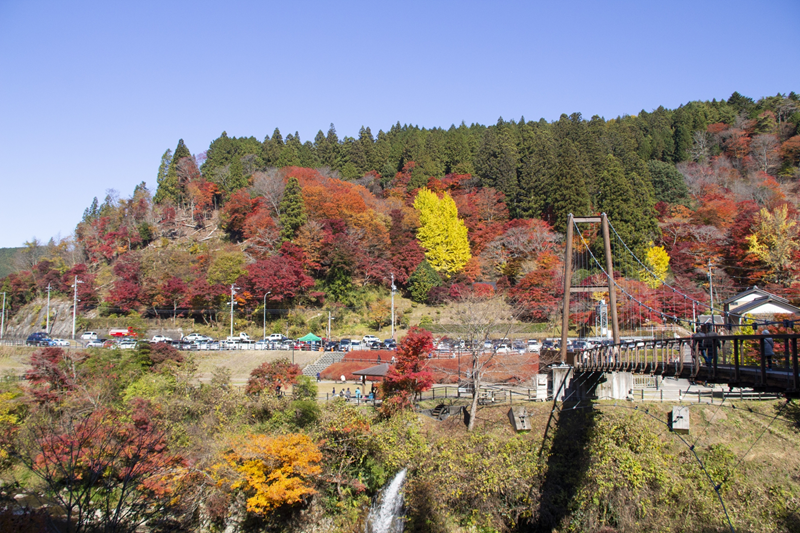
422,281
293,210
570,194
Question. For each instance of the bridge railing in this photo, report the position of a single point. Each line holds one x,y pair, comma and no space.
734,359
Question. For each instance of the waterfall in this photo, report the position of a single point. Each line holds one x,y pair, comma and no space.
386,513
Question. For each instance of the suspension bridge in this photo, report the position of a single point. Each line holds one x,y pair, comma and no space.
643,324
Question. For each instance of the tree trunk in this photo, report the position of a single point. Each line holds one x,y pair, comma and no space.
476,389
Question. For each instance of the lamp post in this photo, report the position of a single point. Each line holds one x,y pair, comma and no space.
75,304
329,324
47,328
394,289
265,314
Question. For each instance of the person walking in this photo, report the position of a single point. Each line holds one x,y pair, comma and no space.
712,344
698,340
769,348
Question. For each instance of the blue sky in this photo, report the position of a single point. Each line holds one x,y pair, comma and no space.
93,93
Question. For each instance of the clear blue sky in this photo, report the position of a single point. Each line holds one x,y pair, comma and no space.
93,93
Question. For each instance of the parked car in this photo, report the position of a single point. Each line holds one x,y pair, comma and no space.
38,338
503,348
356,345
276,337
331,346
60,342
367,340
345,345
241,337
375,346
161,338
534,345
96,343
89,335
195,337
127,344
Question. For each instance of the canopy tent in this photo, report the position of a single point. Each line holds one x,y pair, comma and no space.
310,338
374,371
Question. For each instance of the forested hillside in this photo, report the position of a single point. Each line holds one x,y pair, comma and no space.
328,222
7,260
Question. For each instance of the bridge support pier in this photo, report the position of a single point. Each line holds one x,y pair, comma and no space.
591,385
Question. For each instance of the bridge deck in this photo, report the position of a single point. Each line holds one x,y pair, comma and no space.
735,360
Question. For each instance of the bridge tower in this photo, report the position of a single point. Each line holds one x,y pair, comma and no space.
568,288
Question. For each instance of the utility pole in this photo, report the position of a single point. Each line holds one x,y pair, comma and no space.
394,289
3,320
329,324
47,328
233,291
265,314
75,304
711,294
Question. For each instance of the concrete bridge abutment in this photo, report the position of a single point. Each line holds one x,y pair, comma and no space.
590,385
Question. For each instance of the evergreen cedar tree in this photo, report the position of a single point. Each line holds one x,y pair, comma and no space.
293,212
422,281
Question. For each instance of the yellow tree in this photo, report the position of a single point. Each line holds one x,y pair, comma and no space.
271,470
774,241
441,233
657,261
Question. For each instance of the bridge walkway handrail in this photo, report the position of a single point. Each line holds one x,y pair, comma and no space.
734,359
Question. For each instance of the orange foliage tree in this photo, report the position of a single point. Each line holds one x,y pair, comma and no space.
273,471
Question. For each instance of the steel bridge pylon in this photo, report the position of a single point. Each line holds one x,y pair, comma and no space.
568,288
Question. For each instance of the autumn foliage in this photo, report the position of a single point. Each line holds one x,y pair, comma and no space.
273,471
408,377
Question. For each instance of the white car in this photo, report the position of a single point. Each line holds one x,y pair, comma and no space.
160,338
369,339
89,336
61,342
127,344
276,337
195,337
95,343
503,348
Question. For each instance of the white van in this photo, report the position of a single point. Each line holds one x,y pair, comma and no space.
89,336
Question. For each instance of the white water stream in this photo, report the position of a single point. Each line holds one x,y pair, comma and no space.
386,514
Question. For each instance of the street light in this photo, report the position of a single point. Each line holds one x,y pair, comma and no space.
74,304
265,314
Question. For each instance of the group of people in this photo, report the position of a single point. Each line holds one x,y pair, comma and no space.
708,344
346,394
